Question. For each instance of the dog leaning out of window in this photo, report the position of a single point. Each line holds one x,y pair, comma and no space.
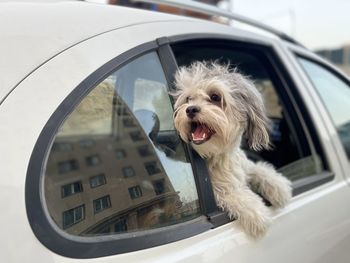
214,108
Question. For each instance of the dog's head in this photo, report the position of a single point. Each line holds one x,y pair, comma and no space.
215,107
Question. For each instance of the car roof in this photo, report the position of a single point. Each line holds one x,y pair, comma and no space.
32,33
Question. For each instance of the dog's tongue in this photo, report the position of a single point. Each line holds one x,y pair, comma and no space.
200,133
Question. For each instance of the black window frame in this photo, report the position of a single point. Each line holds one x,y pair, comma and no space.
72,246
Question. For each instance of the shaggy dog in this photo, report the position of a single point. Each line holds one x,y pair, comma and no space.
214,108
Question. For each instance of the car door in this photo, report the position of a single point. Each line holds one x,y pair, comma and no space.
302,152
102,175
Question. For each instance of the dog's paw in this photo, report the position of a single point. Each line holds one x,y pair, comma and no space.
278,191
273,186
255,223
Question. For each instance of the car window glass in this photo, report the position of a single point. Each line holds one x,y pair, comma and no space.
335,94
117,164
289,155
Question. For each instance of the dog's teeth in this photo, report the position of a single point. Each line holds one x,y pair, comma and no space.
204,135
193,137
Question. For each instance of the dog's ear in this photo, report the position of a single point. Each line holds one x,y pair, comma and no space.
182,77
257,127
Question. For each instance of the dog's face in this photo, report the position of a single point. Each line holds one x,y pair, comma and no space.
214,107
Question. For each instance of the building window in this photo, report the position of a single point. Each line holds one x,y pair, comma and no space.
105,230
136,136
93,160
337,56
68,166
62,147
73,216
97,180
144,151
152,168
135,192
128,171
120,226
122,111
71,189
102,204
159,187
128,122
87,143
120,154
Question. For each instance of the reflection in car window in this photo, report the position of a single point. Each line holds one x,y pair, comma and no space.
335,94
292,158
117,164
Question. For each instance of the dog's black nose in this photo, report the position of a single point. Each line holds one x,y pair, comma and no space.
192,110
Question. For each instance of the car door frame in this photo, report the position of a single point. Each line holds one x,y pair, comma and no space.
339,156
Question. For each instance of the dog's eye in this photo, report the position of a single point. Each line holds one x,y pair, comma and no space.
188,99
215,97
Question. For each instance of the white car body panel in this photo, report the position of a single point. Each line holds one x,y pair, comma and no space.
26,110
32,33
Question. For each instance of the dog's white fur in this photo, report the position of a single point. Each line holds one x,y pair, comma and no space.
239,112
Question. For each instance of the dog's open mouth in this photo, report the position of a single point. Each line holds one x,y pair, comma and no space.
200,133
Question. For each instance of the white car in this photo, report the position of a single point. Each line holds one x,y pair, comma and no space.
92,169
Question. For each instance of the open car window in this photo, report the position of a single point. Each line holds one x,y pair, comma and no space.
292,153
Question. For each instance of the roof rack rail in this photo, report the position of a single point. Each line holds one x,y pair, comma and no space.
215,11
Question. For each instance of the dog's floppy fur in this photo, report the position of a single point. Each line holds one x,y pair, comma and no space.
214,108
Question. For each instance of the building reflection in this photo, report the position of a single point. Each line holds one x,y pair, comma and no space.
338,56
109,182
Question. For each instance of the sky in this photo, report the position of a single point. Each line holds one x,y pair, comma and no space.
315,23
